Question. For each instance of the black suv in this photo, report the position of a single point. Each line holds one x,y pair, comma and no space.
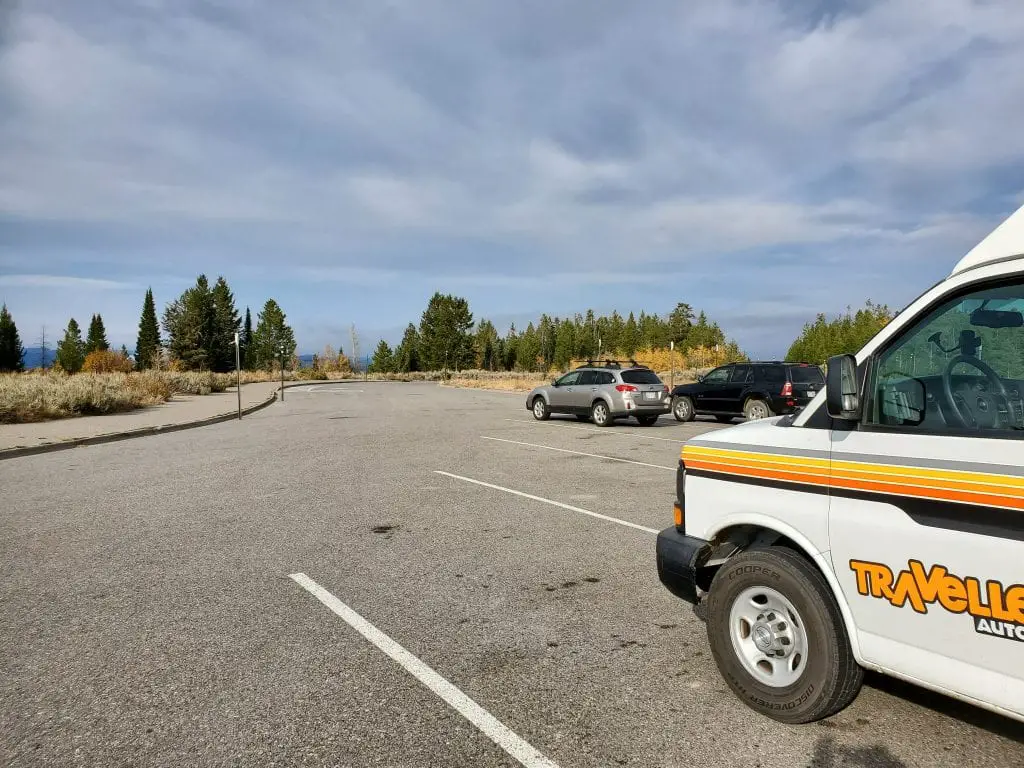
751,390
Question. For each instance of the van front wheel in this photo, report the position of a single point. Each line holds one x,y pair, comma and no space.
778,638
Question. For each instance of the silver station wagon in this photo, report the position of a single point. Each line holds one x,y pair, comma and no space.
602,392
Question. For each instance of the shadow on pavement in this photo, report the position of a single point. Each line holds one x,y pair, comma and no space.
945,705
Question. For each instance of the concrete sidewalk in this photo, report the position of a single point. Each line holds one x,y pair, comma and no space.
179,411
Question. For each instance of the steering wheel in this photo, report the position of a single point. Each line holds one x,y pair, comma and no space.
962,413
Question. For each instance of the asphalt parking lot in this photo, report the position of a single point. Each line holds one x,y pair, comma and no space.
381,575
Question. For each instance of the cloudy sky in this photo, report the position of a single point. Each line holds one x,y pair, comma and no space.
761,159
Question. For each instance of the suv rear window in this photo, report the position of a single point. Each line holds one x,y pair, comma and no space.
806,374
640,376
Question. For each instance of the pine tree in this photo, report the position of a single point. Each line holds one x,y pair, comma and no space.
225,325
71,349
445,341
189,322
246,339
12,354
148,343
273,338
96,340
44,348
407,355
383,361
630,340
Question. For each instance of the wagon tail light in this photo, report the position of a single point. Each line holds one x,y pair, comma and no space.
625,388
787,390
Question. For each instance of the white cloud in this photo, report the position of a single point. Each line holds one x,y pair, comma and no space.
499,142
62,281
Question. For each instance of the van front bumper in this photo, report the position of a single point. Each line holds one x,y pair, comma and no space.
679,557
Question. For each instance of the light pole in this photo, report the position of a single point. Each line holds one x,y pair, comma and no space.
238,374
672,355
282,373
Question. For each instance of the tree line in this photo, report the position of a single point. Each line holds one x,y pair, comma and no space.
448,339
199,330
846,333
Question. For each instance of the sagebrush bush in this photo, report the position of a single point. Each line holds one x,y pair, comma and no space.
43,396
106,361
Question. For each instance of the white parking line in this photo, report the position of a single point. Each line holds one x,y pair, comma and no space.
548,501
325,388
578,453
611,431
489,725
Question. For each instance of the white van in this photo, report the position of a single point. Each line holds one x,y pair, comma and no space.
882,527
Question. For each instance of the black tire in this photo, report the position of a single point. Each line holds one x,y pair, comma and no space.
682,408
600,414
755,409
830,677
540,409
724,419
646,421
582,417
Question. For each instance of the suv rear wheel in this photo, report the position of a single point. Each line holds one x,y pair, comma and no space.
755,409
778,637
600,414
682,408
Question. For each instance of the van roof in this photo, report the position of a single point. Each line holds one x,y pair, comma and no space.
1004,242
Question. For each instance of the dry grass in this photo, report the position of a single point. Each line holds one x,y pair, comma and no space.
43,396
516,381
501,383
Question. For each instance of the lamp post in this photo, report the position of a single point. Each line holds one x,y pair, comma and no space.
672,355
282,373
238,374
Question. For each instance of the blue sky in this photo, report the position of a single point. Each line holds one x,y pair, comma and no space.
761,160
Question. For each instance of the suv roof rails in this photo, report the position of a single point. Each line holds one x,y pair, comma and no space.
591,363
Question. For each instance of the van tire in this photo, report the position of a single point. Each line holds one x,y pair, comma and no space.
830,678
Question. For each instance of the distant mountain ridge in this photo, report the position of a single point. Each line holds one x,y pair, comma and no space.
34,357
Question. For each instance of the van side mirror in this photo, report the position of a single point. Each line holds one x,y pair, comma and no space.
841,396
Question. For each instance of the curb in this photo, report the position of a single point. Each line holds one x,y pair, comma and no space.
13,453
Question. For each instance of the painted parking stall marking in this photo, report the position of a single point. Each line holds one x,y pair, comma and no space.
577,453
552,502
484,721
609,431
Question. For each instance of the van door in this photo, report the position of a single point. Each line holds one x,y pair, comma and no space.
926,512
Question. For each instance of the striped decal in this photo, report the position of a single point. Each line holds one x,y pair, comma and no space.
954,485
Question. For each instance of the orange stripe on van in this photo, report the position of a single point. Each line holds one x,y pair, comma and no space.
981,489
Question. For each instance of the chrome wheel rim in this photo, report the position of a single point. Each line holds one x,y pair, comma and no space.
600,414
538,408
768,636
682,408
